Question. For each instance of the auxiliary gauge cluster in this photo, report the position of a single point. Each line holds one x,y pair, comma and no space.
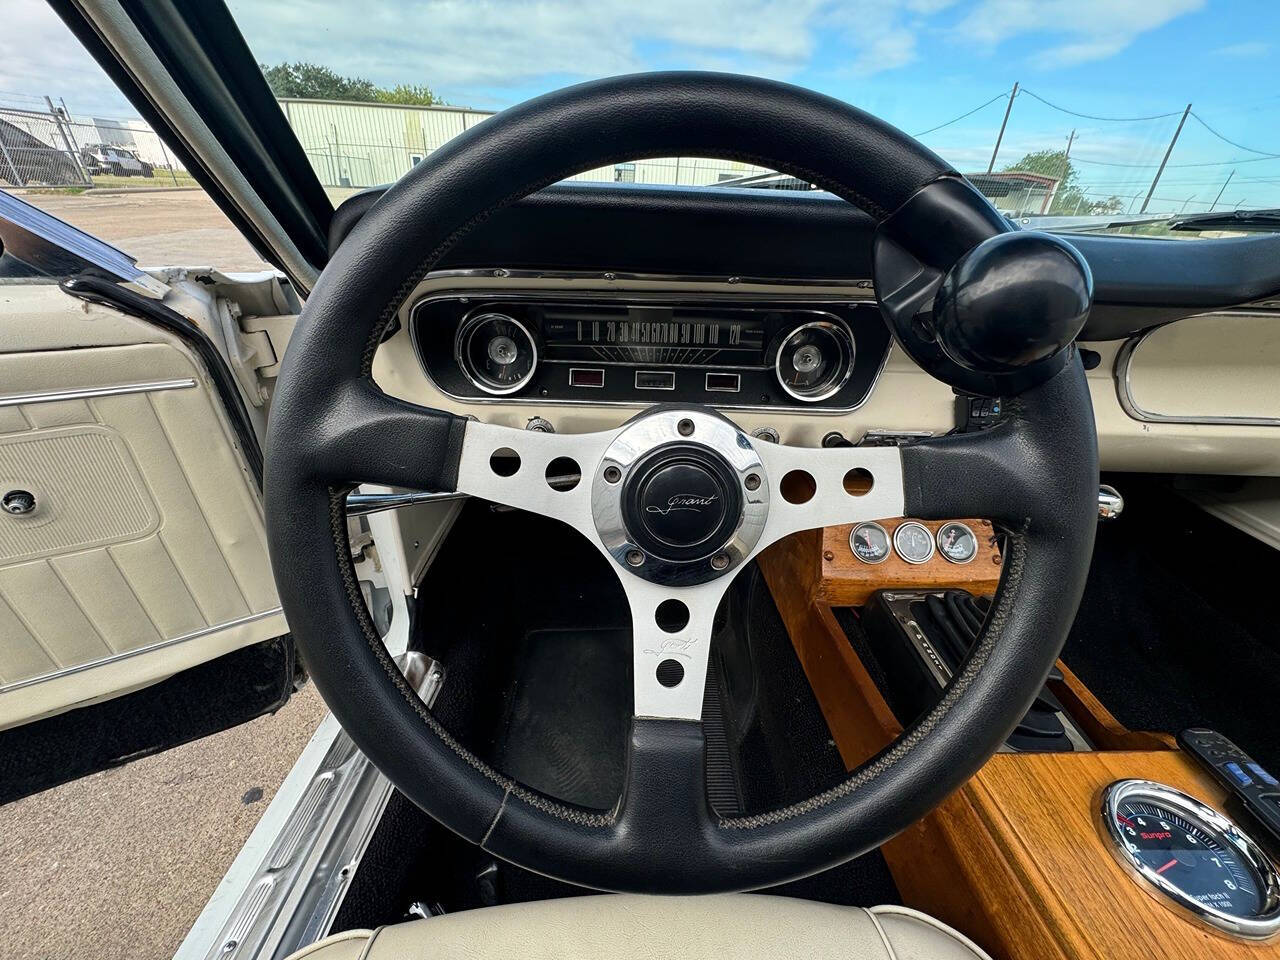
913,542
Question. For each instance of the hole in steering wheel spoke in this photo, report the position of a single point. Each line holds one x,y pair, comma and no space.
858,482
504,462
798,486
563,474
672,616
670,673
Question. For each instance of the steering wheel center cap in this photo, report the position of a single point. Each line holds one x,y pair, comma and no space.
680,496
681,502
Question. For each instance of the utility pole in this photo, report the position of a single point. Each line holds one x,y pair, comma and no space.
1166,158
1066,166
1224,187
1003,123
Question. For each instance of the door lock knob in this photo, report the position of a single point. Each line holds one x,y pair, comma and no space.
18,502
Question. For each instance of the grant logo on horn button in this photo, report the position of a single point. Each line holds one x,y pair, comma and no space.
681,502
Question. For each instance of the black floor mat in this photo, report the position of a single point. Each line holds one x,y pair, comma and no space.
1177,627
570,707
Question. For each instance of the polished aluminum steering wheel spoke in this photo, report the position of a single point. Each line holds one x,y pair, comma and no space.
622,490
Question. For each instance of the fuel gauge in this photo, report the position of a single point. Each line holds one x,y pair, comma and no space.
913,541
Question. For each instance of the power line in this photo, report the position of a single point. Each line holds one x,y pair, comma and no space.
1090,116
998,96
1241,146
1205,163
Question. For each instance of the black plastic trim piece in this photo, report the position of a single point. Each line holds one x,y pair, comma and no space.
99,290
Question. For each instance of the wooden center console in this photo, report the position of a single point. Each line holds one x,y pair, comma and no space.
1015,858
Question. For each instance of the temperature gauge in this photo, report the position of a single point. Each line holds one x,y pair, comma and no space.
869,542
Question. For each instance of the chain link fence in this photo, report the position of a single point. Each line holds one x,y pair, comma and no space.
51,148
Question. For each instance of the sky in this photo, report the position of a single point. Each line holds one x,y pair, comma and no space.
916,63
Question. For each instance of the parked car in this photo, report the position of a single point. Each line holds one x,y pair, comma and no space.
106,158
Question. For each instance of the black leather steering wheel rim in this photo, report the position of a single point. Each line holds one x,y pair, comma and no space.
331,427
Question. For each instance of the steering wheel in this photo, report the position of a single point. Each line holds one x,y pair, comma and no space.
679,498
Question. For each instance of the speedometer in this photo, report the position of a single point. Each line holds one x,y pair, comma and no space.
1188,853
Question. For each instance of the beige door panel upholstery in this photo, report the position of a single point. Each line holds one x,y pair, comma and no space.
146,552
623,927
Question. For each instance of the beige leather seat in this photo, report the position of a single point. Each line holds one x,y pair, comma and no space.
742,927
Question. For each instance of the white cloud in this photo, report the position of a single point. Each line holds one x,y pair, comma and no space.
1247,49
475,51
40,56
1094,29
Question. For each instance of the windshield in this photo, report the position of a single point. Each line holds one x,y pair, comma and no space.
1065,108
1067,114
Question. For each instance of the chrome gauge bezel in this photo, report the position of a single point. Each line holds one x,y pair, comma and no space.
967,529
888,542
928,536
467,329
1262,927
849,348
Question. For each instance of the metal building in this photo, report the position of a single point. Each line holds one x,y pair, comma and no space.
368,144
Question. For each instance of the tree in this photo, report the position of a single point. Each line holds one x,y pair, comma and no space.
1070,197
413,94
311,81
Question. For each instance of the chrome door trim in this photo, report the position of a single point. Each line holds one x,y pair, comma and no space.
86,393
139,651
288,887
1124,389
860,292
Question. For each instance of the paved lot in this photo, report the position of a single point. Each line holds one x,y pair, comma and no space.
166,228
119,865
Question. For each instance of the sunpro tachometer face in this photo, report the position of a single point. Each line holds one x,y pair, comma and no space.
1193,856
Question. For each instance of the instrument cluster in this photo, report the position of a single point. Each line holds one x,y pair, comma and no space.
794,355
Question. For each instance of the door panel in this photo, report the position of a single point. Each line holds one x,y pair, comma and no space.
145,554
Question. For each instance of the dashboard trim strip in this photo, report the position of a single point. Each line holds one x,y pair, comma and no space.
860,292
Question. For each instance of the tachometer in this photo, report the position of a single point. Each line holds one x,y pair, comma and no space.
1192,855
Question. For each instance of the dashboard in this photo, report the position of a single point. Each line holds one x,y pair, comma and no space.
577,306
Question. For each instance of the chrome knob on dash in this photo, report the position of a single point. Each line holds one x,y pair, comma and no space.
1110,503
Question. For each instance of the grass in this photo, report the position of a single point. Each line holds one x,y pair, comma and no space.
162,178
